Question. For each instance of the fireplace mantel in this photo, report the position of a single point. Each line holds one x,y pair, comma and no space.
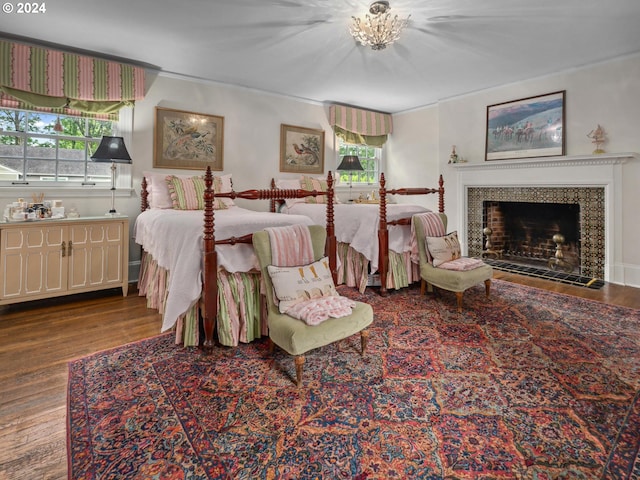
549,162
578,171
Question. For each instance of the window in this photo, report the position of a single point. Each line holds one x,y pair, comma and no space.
370,158
46,148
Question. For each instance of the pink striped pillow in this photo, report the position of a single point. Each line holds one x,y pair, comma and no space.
188,193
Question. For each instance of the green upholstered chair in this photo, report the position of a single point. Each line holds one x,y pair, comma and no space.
451,280
295,336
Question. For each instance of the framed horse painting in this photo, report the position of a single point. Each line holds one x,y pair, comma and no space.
526,128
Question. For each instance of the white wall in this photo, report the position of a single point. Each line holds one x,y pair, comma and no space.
417,151
607,94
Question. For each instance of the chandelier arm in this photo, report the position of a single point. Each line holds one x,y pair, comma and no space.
379,28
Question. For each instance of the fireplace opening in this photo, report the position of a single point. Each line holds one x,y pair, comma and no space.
544,235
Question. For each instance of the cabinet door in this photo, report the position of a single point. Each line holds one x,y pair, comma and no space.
95,257
33,262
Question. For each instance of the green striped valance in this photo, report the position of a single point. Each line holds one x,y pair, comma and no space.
43,78
358,126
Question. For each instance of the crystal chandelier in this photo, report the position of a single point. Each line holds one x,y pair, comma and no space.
378,29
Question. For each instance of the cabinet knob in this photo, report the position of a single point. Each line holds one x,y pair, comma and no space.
64,248
70,248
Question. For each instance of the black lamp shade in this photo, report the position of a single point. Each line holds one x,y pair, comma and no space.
111,149
350,163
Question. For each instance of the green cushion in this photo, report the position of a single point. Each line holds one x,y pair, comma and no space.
293,335
452,280
296,337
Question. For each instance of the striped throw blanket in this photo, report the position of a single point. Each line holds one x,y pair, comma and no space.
290,245
431,225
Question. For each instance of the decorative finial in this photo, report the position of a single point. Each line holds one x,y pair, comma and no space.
598,136
453,158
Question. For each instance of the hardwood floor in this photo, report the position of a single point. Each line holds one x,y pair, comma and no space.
38,339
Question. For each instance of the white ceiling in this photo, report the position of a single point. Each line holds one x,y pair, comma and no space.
302,48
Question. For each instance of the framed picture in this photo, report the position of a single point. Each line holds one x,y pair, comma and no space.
188,140
530,127
301,149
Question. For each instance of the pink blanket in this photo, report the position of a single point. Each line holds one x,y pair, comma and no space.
317,310
290,245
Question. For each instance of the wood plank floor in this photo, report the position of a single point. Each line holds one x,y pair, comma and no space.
38,339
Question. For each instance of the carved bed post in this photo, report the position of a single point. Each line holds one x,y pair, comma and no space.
441,194
383,237
144,195
210,265
272,202
331,245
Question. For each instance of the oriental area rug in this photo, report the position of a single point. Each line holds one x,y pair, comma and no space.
527,384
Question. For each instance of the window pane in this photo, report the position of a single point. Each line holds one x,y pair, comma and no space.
369,159
12,121
76,152
98,172
59,147
41,122
40,148
37,167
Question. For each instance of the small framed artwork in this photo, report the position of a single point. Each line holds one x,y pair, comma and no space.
530,127
301,149
188,140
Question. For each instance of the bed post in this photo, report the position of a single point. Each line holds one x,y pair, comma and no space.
144,195
331,247
441,194
383,238
272,201
210,266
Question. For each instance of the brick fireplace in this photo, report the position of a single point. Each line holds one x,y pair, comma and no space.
589,247
590,182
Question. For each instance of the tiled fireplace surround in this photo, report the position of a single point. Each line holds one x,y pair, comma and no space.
592,181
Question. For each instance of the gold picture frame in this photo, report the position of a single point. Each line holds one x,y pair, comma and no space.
301,149
526,128
188,140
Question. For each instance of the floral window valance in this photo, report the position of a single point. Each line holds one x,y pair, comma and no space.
359,126
41,78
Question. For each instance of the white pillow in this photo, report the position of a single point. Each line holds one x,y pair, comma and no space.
289,184
444,249
293,285
158,189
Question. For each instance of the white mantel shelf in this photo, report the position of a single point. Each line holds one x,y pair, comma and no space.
547,162
604,170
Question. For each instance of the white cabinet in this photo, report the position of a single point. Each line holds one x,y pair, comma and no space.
48,258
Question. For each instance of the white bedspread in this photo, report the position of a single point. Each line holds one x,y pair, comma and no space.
357,225
174,239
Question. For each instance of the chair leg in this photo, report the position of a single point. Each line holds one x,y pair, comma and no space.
272,346
299,361
487,287
423,286
364,338
459,297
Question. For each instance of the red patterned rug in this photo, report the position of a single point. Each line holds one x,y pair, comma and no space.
525,385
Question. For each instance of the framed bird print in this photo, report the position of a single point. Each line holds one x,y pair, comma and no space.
301,149
188,140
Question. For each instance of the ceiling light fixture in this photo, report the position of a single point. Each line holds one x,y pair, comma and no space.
378,29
